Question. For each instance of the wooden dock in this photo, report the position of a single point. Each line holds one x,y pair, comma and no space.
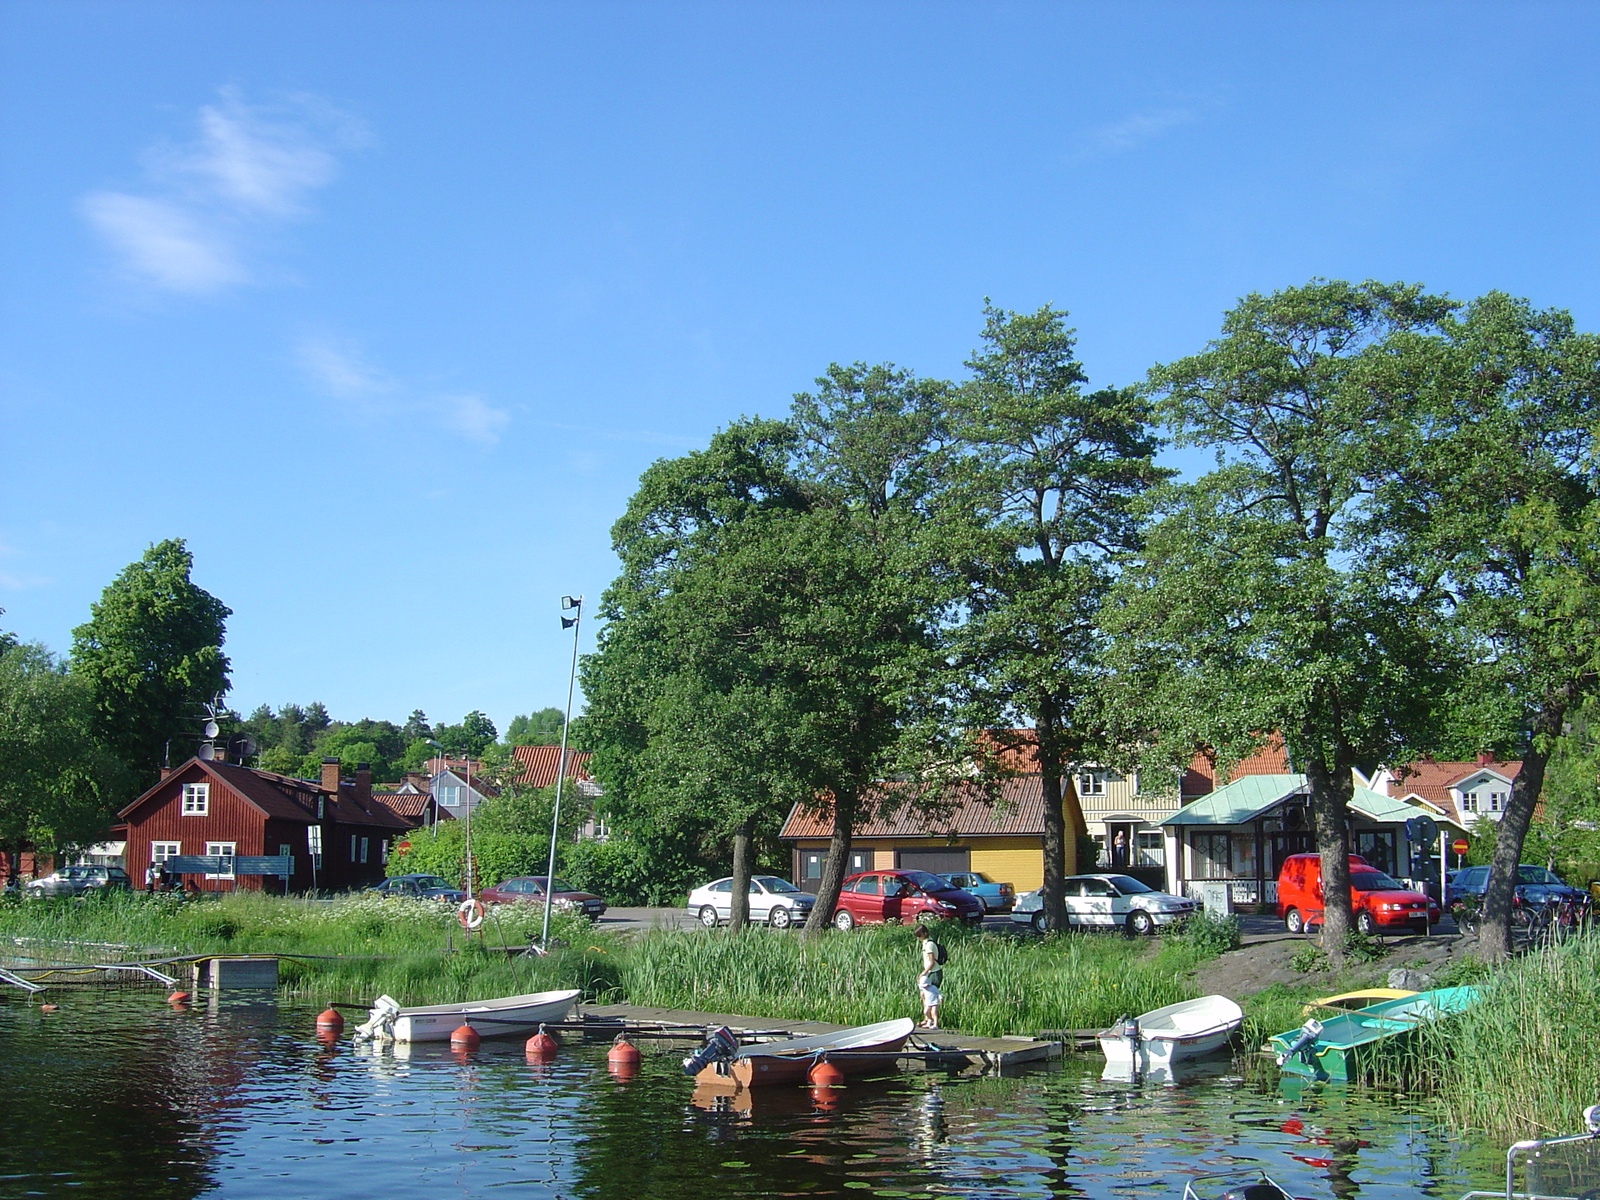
994,1054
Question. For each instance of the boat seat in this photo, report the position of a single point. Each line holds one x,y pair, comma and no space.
1256,1191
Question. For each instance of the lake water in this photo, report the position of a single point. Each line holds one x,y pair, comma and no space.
117,1094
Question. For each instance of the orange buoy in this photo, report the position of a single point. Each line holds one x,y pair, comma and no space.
542,1046
464,1038
825,1074
329,1020
623,1053
826,1099
178,998
48,1007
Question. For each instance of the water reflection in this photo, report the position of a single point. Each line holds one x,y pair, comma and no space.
118,1091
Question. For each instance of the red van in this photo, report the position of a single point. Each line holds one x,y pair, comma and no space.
1377,903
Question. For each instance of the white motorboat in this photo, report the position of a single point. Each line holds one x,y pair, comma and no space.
388,1021
1153,1041
722,1061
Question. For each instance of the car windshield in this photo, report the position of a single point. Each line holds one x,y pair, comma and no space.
1128,885
431,881
561,885
926,881
773,884
1536,875
1373,881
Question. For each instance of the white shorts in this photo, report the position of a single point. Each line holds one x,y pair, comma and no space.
930,994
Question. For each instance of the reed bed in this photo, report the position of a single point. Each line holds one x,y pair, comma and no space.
994,984
1525,1061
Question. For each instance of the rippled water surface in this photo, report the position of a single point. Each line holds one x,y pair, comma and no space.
118,1094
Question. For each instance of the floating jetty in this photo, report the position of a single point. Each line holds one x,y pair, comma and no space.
995,1054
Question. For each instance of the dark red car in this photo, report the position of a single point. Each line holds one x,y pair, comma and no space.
530,889
876,896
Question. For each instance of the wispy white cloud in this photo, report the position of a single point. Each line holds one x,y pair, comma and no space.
188,229
164,243
1134,130
342,370
15,581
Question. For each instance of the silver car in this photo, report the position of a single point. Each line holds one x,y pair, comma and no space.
75,881
1108,902
777,902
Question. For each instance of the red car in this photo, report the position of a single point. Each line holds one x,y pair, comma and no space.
530,888
876,896
1377,903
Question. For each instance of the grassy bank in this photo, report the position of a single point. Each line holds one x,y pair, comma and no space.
360,946
1527,1057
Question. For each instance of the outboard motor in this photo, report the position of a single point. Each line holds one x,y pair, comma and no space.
720,1046
1309,1033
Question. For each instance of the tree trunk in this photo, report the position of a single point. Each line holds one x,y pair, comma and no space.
833,867
1494,933
739,901
1331,789
1060,842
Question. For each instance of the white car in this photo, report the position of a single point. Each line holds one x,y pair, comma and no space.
777,902
1108,902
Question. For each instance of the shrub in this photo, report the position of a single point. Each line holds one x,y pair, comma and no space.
1210,935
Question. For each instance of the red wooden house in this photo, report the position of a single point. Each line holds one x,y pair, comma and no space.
334,831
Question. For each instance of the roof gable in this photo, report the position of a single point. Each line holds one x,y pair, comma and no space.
965,809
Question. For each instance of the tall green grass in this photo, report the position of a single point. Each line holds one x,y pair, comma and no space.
1525,1061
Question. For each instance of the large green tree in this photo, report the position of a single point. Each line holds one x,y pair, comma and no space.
1257,603
151,655
1039,503
1498,485
58,782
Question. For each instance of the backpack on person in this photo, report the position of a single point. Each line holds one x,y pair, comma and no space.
940,954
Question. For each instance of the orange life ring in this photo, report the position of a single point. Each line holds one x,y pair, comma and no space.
470,914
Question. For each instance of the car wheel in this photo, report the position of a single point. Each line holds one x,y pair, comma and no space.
1038,922
708,916
1366,924
1141,924
780,917
1293,921
843,921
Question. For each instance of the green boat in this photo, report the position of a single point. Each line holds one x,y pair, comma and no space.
1335,1049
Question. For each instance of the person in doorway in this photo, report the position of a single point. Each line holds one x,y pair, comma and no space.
931,979
1119,849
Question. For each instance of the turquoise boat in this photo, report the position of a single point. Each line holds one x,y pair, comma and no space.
1335,1049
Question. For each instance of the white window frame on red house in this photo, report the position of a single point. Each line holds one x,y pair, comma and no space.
161,851
222,850
196,799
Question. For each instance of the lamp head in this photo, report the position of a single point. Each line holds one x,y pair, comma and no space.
572,602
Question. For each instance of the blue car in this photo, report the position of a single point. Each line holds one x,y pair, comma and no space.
1535,885
996,897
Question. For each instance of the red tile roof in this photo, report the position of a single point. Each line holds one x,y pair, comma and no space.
287,798
1433,780
965,810
539,764
409,804
1270,758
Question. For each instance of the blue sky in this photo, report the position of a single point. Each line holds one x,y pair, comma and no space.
384,307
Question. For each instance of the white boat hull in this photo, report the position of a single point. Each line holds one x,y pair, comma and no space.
504,1017
1172,1034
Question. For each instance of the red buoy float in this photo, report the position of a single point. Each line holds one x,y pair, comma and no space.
825,1074
623,1053
541,1046
464,1038
178,998
330,1021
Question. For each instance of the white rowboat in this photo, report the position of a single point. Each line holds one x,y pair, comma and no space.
389,1022
1157,1039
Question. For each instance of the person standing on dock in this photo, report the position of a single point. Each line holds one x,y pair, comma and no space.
931,978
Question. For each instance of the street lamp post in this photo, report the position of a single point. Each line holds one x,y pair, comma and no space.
573,604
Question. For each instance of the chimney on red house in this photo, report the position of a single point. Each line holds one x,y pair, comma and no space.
363,783
330,775
1485,758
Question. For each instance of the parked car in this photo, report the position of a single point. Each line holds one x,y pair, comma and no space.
1108,902
774,901
875,896
996,897
78,881
1535,885
1378,903
530,888
420,887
